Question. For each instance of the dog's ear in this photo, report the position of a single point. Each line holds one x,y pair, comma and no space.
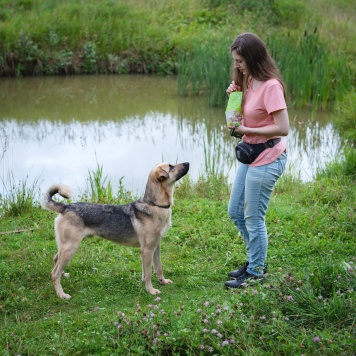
161,174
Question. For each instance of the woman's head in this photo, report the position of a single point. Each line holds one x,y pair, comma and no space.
251,58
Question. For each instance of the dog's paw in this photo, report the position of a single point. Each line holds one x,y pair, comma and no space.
165,281
153,291
65,275
64,296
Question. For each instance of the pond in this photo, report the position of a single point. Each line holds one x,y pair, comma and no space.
57,129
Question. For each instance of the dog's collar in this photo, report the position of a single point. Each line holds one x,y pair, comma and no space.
159,206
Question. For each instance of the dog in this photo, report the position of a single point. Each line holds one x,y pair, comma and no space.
139,224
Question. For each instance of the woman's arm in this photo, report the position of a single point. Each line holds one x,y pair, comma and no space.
279,128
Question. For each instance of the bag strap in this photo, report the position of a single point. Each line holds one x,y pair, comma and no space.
272,143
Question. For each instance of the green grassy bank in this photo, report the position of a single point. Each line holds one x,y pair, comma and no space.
313,43
305,307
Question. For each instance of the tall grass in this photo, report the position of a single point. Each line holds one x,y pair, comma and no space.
100,188
313,74
205,69
345,118
19,197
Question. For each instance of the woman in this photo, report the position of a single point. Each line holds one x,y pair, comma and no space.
264,118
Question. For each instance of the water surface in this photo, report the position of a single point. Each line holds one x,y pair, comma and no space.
57,129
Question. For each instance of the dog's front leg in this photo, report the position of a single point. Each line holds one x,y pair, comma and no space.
158,266
146,257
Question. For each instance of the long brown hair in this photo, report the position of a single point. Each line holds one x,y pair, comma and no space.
258,60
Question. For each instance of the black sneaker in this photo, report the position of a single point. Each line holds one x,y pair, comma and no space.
244,280
239,272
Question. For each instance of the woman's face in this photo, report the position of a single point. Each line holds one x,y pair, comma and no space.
240,64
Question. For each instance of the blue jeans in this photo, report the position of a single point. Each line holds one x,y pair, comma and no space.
250,195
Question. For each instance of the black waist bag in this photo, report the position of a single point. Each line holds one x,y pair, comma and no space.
247,152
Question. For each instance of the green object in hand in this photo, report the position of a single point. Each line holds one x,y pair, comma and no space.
234,103
233,109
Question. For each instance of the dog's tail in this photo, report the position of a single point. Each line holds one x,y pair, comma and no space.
47,201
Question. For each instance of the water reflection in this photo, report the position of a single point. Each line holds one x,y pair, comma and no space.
56,129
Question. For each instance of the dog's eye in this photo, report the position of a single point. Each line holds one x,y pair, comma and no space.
171,167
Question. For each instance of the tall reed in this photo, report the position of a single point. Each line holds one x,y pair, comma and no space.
312,74
205,69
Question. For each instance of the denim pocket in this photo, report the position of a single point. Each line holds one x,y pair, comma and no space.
282,161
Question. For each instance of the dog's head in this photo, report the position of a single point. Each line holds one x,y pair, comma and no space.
169,173
159,188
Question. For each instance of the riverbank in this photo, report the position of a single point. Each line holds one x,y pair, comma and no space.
306,305
188,38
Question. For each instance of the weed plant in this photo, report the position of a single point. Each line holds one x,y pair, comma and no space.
305,306
19,198
99,192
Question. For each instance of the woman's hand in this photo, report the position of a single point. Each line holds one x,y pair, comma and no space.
279,128
232,87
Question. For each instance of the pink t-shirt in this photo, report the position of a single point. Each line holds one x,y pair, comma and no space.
258,105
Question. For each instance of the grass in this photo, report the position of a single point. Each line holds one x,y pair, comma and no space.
313,43
306,306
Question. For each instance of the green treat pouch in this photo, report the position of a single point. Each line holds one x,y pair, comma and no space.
233,108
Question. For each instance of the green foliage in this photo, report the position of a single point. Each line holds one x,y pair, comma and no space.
345,119
205,69
345,165
19,198
288,13
312,74
191,38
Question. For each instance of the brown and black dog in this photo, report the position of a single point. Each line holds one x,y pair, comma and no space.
138,224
